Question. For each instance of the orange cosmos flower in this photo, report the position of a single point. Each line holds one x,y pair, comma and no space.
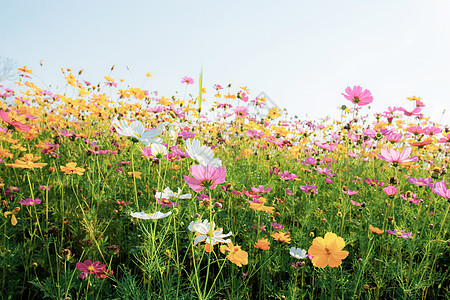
5,153
13,217
375,230
135,174
235,254
281,237
328,251
27,162
25,70
71,168
262,244
260,206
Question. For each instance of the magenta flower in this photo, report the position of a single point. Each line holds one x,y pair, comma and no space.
91,267
254,134
349,192
358,96
325,171
187,80
421,181
287,176
390,190
147,152
411,198
205,176
355,203
29,201
261,189
441,190
312,189
277,226
393,156
165,202
373,182
16,124
400,233
414,112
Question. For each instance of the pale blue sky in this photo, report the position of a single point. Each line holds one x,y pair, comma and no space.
303,54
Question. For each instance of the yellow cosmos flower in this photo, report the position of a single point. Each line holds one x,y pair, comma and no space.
328,251
262,244
27,162
71,168
135,174
235,254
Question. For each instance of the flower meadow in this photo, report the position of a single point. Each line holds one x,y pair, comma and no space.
113,192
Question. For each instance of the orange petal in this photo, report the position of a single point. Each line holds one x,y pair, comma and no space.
330,237
315,250
320,261
13,220
339,254
319,241
334,262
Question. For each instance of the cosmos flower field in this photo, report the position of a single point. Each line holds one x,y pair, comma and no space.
113,192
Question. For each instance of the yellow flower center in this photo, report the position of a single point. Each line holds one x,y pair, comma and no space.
91,268
327,250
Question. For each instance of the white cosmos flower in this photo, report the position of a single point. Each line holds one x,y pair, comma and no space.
203,154
208,233
169,194
173,132
298,253
154,216
158,150
137,130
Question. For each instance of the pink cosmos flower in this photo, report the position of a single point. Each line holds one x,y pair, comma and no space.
205,176
445,139
415,130
88,267
147,152
277,226
393,138
241,111
254,134
287,176
414,112
390,190
421,181
411,198
309,189
393,156
349,192
441,189
187,80
91,267
16,124
29,201
432,130
358,96
261,189
355,203
400,233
